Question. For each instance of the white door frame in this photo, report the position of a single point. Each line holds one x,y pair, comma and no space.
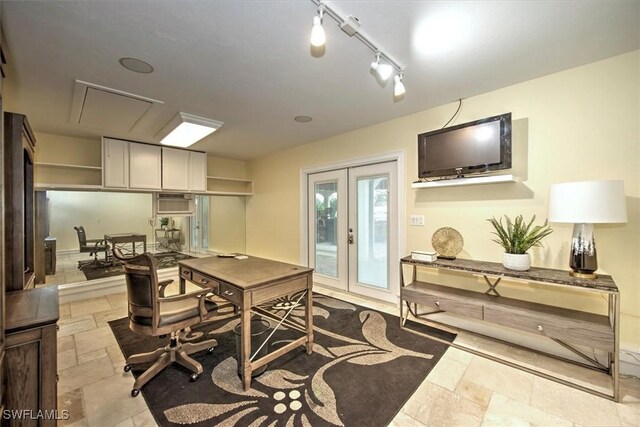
397,156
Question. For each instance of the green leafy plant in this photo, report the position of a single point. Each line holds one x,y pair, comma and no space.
517,236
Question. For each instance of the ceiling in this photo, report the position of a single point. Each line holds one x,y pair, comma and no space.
249,63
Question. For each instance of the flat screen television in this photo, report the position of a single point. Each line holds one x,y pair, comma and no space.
475,147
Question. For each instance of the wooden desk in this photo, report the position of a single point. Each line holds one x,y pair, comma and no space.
120,239
247,283
567,327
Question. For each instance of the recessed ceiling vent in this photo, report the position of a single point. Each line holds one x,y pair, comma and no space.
108,109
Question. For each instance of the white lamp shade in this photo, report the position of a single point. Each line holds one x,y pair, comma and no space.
588,202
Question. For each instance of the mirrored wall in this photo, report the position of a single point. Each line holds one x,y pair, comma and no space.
127,221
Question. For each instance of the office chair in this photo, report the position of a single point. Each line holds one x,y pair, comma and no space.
151,313
93,246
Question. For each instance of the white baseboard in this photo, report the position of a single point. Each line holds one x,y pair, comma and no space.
109,285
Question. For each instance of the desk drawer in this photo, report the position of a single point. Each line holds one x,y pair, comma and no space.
185,273
593,333
204,281
230,293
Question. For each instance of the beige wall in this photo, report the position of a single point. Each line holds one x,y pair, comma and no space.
227,231
99,213
70,151
579,124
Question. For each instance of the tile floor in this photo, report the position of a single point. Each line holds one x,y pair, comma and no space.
462,390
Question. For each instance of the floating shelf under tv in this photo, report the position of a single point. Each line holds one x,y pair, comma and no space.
454,182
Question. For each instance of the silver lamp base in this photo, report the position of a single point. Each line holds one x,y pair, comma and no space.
583,260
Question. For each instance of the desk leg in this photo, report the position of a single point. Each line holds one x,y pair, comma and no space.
183,285
246,347
309,314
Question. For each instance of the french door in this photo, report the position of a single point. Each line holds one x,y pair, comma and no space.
353,229
199,225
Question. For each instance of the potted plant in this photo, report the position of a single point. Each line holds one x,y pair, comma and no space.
164,223
516,238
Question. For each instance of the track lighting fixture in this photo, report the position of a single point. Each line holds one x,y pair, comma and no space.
318,36
398,86
383,66
384,71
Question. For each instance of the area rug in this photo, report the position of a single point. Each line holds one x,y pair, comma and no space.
95,271
361,372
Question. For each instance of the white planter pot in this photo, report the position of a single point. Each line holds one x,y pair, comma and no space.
518,262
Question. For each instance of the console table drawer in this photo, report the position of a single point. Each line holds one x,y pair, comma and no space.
450,304
594,333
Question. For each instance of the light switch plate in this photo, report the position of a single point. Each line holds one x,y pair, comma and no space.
417,220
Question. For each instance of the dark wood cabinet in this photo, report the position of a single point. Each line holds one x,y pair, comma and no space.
31,379
19,148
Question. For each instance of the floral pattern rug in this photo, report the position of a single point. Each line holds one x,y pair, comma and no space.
361,372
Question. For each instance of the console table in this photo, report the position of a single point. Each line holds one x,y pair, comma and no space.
565,326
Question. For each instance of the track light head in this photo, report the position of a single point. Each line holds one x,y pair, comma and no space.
383,70
398,87
318,36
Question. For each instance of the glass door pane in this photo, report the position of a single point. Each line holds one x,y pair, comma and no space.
326,210
372,231
373,225
327,204
199,225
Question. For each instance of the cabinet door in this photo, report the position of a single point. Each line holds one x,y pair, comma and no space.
115,159
197,171
175,169
144,166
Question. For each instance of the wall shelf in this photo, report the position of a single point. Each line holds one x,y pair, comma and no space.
67,166
223,186
491,179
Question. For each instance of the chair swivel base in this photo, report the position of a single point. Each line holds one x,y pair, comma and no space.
163,357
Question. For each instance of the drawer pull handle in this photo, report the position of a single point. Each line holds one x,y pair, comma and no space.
203,281
228,293
185,272
540,328
438,303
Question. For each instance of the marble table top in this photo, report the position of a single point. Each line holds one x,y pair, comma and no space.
536,274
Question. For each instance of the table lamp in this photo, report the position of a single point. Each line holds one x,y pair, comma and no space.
584,204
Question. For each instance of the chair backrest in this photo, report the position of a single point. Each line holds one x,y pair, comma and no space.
142,287
82,236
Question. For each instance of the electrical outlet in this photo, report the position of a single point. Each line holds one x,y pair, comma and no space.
417,220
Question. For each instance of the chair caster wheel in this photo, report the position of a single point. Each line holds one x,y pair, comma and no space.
194,377
135,392
127,368
210,350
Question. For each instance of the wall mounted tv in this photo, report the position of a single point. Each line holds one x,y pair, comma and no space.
470,148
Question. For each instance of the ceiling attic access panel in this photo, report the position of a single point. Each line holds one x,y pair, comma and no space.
108,109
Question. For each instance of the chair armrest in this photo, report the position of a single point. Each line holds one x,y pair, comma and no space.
180,297
95,241
201,295
163,285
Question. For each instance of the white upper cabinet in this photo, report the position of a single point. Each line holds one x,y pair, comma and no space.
138,166
175,169
115,163
197,171
145,166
